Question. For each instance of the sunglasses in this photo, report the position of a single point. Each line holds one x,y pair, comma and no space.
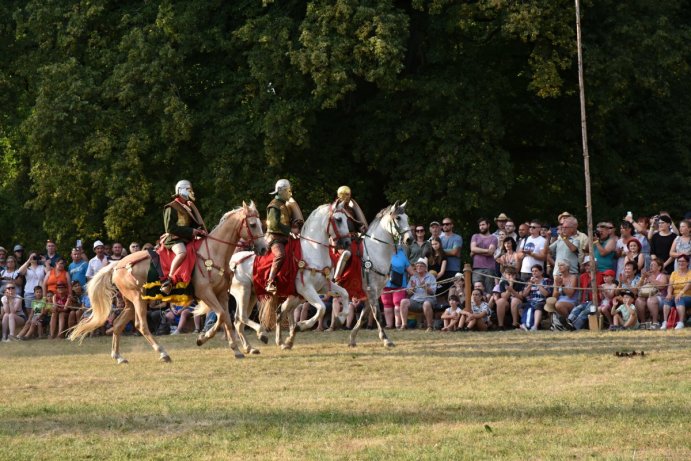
419,230
446,224
10,288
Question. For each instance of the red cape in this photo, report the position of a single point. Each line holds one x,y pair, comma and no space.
351,279
285,279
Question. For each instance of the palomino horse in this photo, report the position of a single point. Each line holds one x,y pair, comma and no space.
210,283
312,278
379,245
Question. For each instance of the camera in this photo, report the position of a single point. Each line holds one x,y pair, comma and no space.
596,233
34,258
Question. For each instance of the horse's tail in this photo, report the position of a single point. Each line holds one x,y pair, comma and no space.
101,291
267,311
201,309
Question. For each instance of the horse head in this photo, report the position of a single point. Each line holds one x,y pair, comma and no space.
338,226
399,223
251,230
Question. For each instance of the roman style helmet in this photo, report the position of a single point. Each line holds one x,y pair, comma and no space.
281,185
183,188
343,193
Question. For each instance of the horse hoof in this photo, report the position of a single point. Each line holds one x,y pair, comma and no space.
166,359
352,344
286,347
389,344
264,339
239,355
200,340
122,361
254,352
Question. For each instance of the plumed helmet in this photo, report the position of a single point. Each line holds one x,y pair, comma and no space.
183,188
281,184
343,192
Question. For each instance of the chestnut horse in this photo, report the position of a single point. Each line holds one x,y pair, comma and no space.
211,281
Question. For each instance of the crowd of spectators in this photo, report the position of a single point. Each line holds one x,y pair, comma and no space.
526,275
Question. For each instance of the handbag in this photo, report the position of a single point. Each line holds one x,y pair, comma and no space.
647,290
396,278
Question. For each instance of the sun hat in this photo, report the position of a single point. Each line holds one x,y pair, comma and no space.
422,260
550,304
501,217
563,214
586,259
98,243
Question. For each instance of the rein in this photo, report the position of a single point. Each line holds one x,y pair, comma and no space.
331,224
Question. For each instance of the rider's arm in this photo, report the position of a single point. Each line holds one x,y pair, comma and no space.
170,220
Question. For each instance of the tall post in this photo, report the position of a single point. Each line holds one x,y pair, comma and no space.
468,284
586,160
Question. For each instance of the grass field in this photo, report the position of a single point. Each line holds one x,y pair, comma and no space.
434,396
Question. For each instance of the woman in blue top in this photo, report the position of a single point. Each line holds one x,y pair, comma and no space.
394,291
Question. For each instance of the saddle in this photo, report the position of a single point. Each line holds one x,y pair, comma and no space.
351,279
285,279
183,291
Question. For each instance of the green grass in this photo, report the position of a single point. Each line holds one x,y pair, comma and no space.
434,396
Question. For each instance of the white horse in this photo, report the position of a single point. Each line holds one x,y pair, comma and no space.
313,278
379,245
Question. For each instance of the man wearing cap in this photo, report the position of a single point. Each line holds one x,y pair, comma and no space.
182,223
18,251
283,215
434,230
500,221
605,246
422,287
97,262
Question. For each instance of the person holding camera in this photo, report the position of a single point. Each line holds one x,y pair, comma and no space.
605,246
661,242
33,273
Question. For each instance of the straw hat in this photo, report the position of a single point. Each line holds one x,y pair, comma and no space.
501,217
550,305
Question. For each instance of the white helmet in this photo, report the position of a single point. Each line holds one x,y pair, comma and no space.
281,185
183,188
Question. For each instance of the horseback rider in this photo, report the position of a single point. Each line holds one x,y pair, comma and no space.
182,223
356,223
283,215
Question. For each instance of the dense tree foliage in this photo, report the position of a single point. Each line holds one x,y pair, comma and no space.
462,108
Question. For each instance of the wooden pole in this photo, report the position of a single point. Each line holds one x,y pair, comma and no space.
586,165
468,284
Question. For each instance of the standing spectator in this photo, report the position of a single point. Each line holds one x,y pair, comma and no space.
510,229
533,251
566,249
97,262
661,243
422,287
622,246
3,256
33,273
500,221
78,267
51,253
437,260
452,244
523,234
434,229
18,251
134,247
605,246
56,275
11,274
640,231
482,246
582,238
679,293
394,292
13,315
682,243
508,256
117,252
421,247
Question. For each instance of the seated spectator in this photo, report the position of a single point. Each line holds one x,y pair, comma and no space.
630,278
37,314
75,304
651,294
625,316
10,275
437,258
478,318
452,314
511,296
355,309
565,286
457,288
13,316
679,293
422,287
535,294
179,315
608,294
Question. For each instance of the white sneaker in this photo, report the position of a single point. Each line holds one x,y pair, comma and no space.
663,325
680,325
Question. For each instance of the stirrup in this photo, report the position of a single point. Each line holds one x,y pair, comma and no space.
271,288
166,286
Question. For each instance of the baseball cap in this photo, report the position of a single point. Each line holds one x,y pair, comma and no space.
98,243
18,248
563,214
609,272
434,223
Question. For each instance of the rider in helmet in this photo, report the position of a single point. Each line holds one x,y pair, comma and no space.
356,223
182,223
283,215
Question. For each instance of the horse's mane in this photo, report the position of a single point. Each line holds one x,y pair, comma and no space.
399,210
226,216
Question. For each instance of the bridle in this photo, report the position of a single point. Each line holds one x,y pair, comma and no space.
396,232
331,225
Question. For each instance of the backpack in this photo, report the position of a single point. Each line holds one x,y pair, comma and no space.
672,318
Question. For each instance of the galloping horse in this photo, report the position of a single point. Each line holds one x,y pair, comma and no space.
312,278
210,283
379,245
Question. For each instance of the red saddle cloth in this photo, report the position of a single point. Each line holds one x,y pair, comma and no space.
351,279
184,272
285,279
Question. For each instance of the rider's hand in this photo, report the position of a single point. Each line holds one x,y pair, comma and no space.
199,232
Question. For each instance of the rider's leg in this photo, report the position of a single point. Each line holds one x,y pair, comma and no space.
341,264
279,252
180,252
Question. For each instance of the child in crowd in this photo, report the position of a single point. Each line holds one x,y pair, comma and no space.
33,323
478,317
60,312
625,316
608,291
452,314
